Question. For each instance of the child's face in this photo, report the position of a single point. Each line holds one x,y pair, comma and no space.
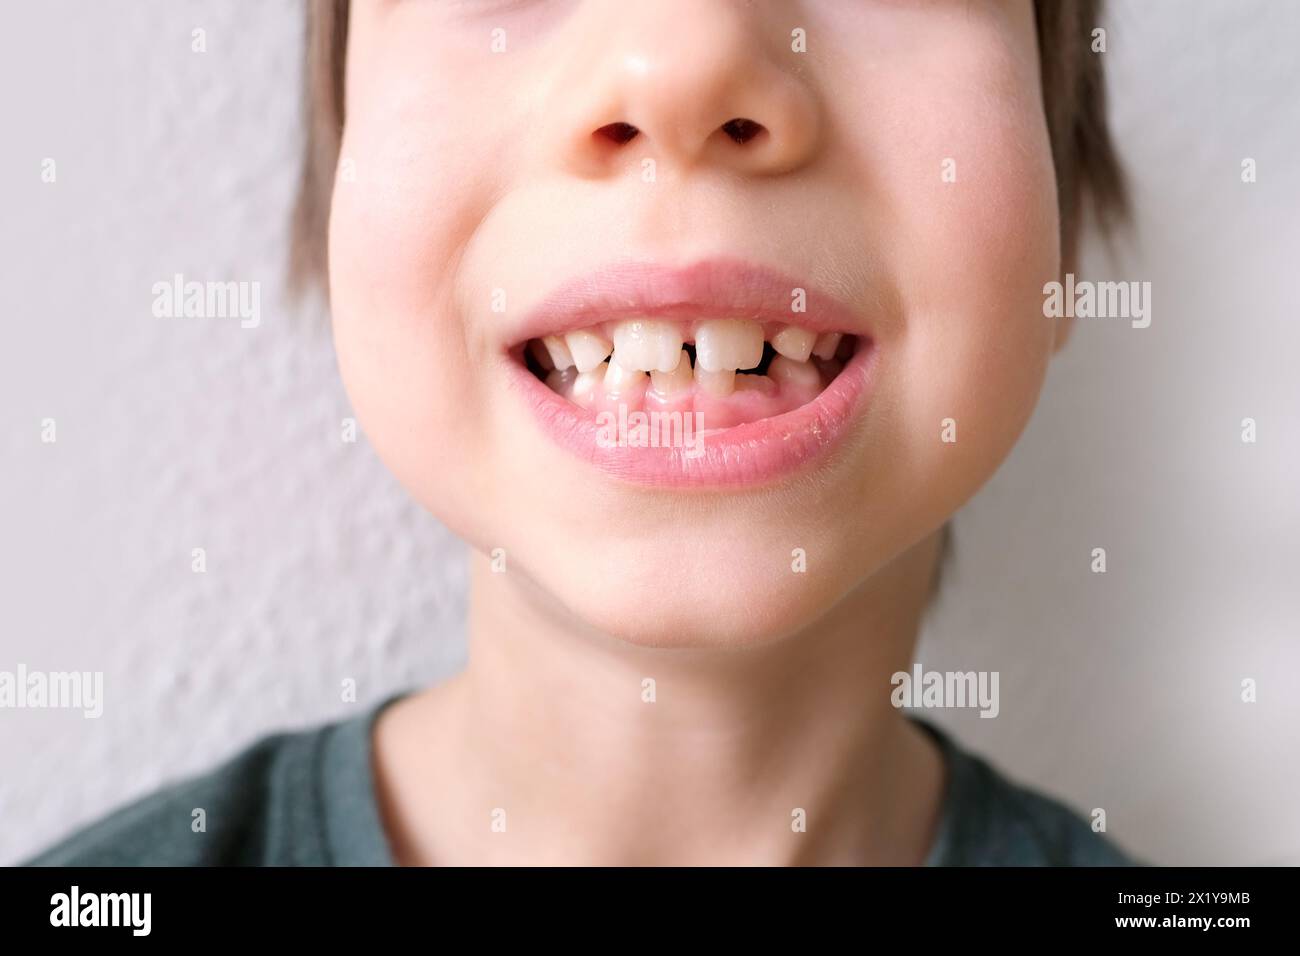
901,176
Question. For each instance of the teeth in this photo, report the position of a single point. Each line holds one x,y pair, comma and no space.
756,384
562,381
557,351
624,384
674,383
576,362
588,349
587,386
826,345
647,345
722,344
717,383
794,343
787,371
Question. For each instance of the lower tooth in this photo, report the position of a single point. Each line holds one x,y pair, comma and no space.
674,383
587,386
798,374
625,385
826,344
561,381
718,383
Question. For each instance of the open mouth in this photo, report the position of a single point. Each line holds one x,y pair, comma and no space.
693,376
731,371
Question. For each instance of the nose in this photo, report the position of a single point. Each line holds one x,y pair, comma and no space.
691,83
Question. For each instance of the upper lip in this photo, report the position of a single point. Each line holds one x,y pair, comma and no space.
705,289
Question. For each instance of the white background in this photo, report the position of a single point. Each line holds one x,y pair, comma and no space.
1119,691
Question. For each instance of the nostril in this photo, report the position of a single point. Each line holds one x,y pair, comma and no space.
619,133
742,130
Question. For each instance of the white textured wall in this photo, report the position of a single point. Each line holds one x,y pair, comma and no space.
1118,690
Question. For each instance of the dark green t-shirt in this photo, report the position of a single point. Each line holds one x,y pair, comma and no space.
308,799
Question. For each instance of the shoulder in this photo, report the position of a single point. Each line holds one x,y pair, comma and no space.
254,808
1025,827
990,820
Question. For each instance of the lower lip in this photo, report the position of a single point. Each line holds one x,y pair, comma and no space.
755,453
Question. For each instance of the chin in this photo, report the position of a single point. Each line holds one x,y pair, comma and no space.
732,601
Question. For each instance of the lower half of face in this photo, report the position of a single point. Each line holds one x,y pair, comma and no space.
703,330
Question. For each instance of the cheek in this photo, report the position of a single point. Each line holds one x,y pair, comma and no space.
409,193
976,344
968,211
416,180
414,184
976,321
402,349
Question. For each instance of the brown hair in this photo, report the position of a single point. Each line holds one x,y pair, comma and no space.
1088,174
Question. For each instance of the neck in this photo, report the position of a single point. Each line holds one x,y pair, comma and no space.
589,750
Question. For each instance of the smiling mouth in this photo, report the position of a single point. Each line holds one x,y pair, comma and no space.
712,348
733,371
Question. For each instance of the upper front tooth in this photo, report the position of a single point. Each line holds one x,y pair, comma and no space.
588,349
794,343
826,345
647,345
722,344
